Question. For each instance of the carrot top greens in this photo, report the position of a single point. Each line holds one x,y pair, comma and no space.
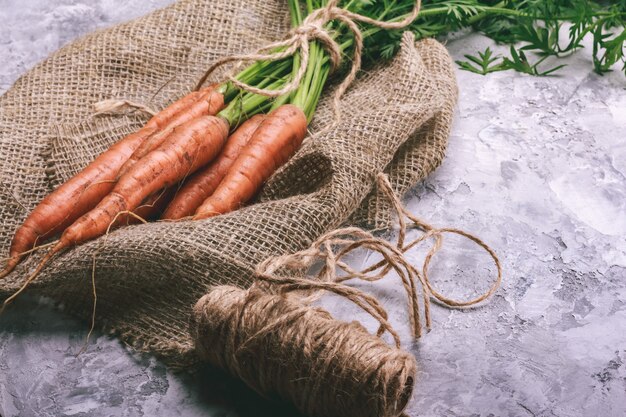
538,32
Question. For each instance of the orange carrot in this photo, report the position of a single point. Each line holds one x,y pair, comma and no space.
202,184
273,143
189,147
207,102
84,191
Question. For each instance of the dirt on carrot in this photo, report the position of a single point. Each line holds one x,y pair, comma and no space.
151,208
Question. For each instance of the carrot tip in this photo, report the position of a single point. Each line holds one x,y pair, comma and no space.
10,266
34,275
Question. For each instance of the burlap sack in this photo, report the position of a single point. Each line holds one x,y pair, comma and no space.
396,118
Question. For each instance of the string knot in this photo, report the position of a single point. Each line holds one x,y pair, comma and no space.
312,28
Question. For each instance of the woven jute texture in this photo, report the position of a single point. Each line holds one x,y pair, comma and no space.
396,118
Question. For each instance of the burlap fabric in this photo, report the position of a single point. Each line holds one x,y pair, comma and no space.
396,118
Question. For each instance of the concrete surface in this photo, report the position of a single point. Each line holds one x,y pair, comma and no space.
536,167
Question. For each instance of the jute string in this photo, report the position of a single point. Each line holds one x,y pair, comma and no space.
275,340
350,239
283,348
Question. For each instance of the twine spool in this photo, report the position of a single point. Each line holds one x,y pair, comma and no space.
272,338
287,350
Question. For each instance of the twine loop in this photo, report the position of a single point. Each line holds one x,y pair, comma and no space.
331,248
313,28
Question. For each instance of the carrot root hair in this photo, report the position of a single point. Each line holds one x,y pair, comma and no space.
44,261
13,261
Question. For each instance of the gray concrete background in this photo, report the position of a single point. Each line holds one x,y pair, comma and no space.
536,167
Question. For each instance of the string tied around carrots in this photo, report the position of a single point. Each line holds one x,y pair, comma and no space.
278,343
313,28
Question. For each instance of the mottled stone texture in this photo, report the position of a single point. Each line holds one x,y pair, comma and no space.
536,167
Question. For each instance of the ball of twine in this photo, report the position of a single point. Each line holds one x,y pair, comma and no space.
284,349
274,339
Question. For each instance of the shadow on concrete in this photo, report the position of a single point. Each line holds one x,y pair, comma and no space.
35,334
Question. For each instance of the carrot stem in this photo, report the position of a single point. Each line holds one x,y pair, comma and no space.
247,105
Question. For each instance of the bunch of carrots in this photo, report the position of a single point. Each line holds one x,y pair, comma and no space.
206,154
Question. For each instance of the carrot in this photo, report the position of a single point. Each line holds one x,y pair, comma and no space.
82,192
206,102
274,142
202,184
189,147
